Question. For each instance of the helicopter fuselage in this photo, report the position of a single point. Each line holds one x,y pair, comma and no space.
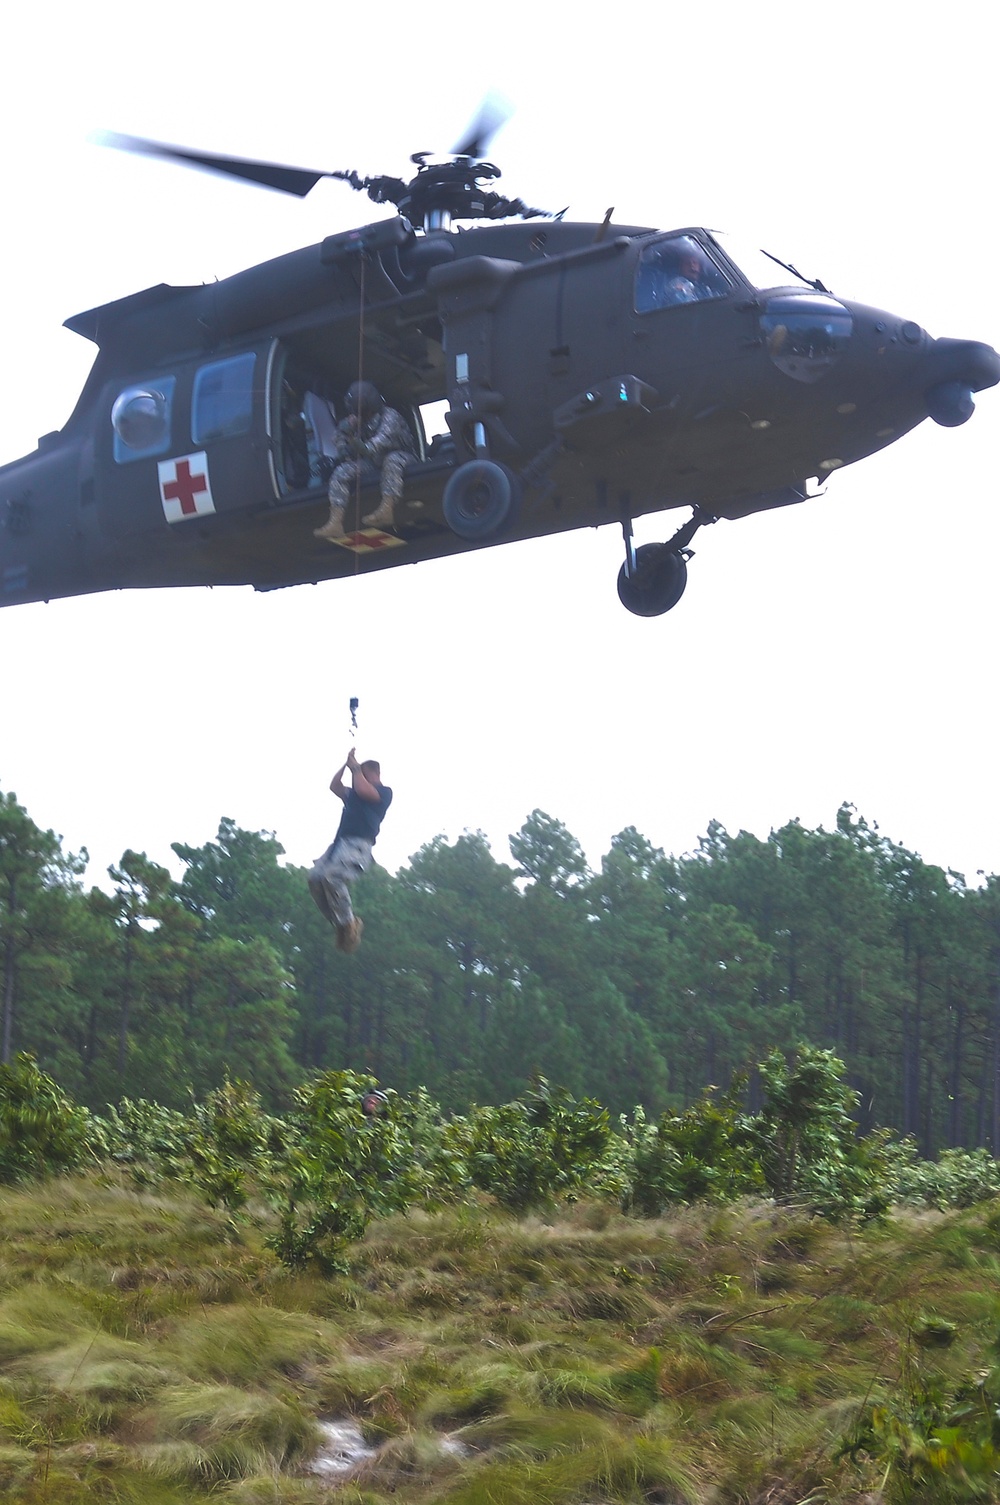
200,448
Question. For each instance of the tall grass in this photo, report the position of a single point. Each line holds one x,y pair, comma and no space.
152,1350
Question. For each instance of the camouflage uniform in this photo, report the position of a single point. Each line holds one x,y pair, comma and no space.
349,855
346,859
382,442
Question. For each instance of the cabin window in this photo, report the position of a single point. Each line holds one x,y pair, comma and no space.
140,420
676,271
437,438
222,402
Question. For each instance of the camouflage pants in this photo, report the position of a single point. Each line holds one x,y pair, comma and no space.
330,874
347,474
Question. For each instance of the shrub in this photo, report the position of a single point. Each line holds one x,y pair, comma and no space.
802,1147
527,1151
230,1137
337,1170
958,1178
698,1155
438,1170
146,1138
931,1441
41,1129
223,1142
806,1139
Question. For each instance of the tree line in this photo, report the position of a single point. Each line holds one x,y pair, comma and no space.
639,982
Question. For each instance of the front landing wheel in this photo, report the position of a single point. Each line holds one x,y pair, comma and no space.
657,582
480,499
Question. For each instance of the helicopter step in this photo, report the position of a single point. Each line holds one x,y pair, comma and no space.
653,577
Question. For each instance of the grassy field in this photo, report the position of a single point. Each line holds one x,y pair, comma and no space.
152,1350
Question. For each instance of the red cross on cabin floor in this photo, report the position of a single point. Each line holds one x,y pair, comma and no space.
368,540
185,488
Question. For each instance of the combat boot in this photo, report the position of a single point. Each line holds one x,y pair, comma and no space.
383,515
349,937
333,529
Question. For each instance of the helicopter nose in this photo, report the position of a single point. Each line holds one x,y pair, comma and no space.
953,370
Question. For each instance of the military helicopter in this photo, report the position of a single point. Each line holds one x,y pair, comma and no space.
592,373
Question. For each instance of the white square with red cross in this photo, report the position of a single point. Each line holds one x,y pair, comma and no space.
185,489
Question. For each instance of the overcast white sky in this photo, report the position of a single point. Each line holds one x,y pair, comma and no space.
841,650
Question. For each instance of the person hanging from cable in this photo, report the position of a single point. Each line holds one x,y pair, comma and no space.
373,439
366,800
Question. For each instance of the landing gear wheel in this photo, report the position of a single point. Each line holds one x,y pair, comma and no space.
657,583
480,499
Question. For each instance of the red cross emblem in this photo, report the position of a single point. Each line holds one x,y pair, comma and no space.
368,541
185,490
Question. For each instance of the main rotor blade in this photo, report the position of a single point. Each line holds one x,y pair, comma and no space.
297,180
494,112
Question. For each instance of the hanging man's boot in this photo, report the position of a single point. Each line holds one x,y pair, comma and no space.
382,517
333,529
349,936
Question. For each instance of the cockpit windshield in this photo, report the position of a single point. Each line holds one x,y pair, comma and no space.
757,267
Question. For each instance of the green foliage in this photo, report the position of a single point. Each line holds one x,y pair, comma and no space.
699,1155
802,1147
230,1139
548,855
637,983
931,1441
147,1138
529,1151
340,1168
236,886
39,892
41,1129
438,1171
807,1143
222,1145
957,1178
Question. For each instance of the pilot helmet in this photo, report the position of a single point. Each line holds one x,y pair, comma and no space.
688,253
364,399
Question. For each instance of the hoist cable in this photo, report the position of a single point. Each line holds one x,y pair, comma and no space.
361,368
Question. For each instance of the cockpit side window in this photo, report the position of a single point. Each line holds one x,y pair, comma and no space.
675,271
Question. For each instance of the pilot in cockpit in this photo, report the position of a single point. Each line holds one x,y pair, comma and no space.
689,283
674,271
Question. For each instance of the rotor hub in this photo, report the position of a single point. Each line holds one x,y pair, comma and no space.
443,191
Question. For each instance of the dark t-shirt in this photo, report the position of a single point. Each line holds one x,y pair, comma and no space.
363,817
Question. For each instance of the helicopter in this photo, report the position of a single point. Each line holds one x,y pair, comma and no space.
588,373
